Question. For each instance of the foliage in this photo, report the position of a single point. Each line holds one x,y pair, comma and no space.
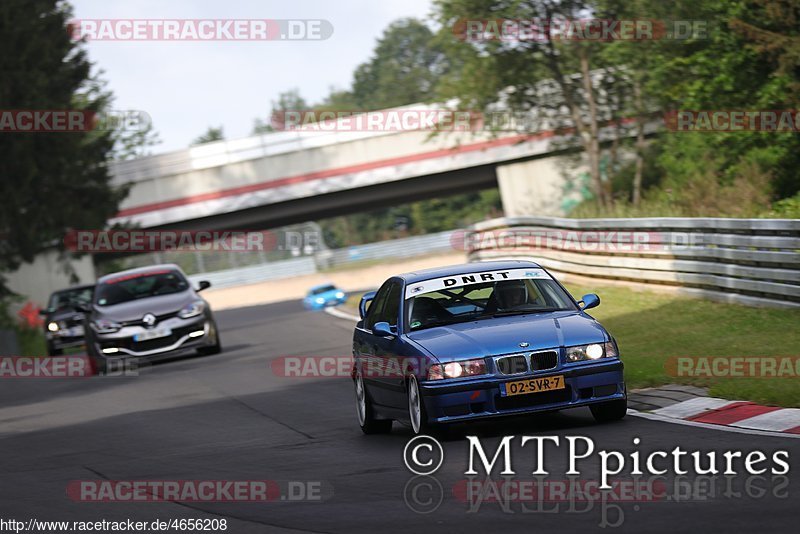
51,181
211,135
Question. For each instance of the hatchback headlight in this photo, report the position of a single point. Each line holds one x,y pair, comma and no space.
593,351
104,326
192,310
457,369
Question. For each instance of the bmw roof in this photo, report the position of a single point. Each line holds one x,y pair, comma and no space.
465,268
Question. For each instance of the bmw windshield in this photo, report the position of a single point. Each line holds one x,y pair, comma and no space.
134,286
476,296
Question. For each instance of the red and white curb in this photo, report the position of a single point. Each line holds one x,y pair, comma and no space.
747,417
342,314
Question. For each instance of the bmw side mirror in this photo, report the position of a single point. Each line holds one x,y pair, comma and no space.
382,329
590,300
203,284
43,312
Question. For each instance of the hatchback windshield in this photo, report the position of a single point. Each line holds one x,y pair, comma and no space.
322,289
458,299
141,285
70,298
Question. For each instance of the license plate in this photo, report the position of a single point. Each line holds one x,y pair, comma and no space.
532,385
152,334
75,331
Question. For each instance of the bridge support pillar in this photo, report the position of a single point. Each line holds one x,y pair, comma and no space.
537,187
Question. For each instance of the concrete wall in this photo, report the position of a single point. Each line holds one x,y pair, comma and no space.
35,281
536,187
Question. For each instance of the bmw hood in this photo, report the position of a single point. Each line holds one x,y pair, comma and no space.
503,335
136,309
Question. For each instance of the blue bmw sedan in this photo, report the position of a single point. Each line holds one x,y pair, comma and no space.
479,341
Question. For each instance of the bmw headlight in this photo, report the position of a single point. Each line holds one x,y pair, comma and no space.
340,294
593,351
104,326
457,369
53,327
319,300
192,310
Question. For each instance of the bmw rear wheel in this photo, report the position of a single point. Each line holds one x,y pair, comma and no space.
366,414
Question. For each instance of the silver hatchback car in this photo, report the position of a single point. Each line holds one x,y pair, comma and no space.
147,314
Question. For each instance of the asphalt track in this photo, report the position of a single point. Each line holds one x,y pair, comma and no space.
229,417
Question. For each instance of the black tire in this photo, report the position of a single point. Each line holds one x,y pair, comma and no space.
216,348
52,351
365,413
609,411
99,363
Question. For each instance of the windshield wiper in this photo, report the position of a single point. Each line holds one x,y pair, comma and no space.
521,311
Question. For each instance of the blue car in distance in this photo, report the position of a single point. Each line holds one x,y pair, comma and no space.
480,341
322,296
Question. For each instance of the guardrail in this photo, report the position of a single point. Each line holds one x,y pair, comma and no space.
404,247
744,261
258,273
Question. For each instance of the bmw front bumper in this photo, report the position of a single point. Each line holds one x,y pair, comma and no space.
454,401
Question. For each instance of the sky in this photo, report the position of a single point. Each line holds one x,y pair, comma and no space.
186,87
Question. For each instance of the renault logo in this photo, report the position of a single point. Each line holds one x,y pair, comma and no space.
149,319
524,344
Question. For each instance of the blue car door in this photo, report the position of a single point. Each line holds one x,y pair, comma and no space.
389,351
379,354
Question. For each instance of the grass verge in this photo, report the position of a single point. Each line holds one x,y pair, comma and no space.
650,328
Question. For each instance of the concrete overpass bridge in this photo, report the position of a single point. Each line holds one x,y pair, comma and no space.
283,178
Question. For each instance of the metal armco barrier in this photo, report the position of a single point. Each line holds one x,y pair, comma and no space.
746,261
258,273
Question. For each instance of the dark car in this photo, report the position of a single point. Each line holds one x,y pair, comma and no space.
63,318
147,314
480,341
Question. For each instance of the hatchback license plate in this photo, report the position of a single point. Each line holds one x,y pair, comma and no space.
152,334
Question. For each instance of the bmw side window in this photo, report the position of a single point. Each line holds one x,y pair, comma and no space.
391,310
376,307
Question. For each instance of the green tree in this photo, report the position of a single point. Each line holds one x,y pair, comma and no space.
51,181
405,68
287,101
211,135
567,84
